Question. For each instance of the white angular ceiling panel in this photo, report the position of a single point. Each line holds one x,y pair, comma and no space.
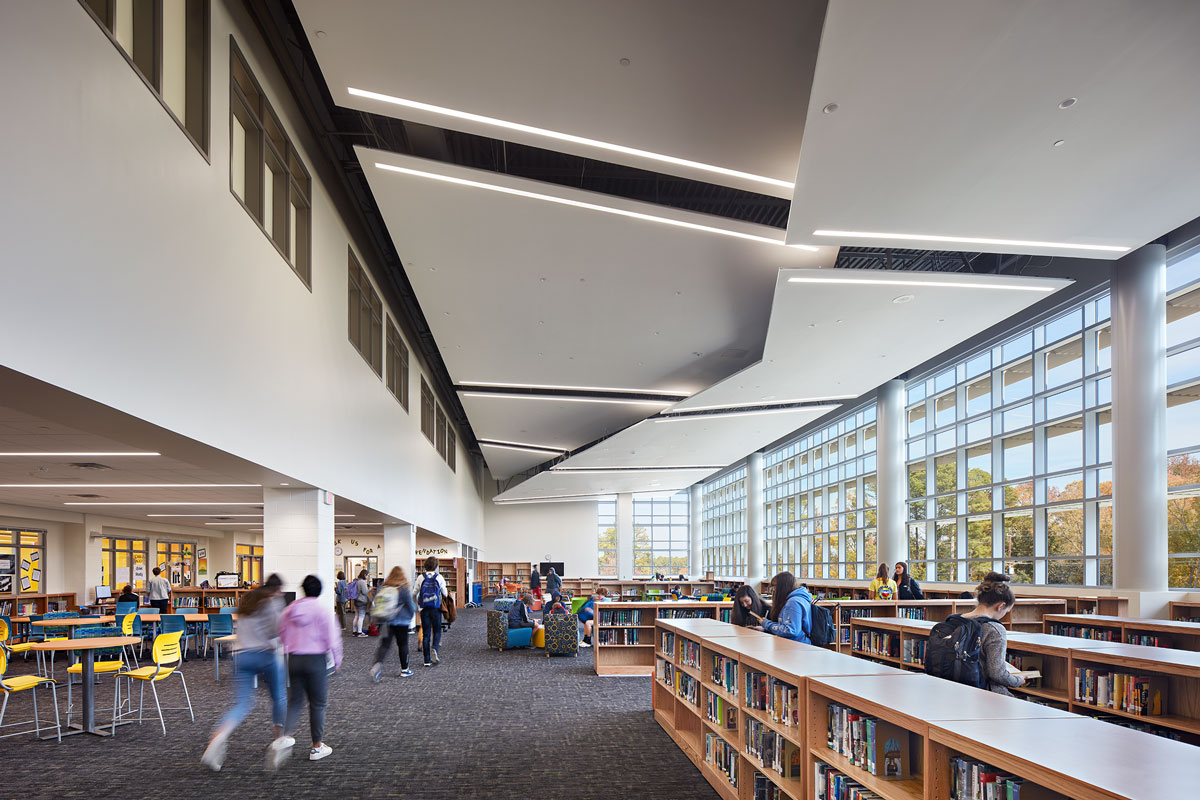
706,81
948,114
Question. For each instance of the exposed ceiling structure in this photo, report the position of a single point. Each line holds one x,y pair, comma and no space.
674,108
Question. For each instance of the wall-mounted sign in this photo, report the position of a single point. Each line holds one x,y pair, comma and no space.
201,553
433,551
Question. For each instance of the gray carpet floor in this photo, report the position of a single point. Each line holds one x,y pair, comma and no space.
483,724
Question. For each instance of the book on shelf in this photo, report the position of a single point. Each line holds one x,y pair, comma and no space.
911,612
1145,639
689,653
682,613
832,784
1140,695
725,673
665,671
617,636
764,789
877,643
869,743
615,616
975,780
1084,632
687,687
781,700
668,643
721,712
773,750
912,651
722,756
6,608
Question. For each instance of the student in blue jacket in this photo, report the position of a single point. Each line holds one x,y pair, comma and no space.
791,609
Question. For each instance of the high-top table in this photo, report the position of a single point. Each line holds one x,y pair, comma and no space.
88,647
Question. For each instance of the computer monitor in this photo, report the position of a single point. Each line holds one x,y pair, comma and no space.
103,593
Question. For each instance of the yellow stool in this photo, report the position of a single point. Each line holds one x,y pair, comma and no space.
539,638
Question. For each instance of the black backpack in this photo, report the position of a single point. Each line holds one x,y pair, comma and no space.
955,651
822,632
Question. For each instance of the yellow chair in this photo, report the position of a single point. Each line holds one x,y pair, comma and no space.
19,684
25,647
167,659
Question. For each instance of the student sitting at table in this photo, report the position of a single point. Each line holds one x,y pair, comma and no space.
518,615
748,608
127,595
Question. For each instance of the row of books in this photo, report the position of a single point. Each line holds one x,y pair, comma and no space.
725,673
665,671
221,601
682,613
1125,722
613,616
6,608
834,785
877,643
974,780
1140,695
912,651
725,614
1084,632
720,712
617,636
687,687
773,750
764,789
911,612
689,653
189,601
849,613
869,743
1149,640
722,756
781,700
667,645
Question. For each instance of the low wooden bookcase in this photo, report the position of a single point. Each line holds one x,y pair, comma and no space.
623,635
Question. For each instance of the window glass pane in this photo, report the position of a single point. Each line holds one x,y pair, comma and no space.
1018,380
946,478
1064,487
1064,445
979,429
979,396
979,365
1063,403
1064,531
1104,349
916,480
1017,347
1071,322
979,465
916,420
1018,495
979,537
1183,366
1183,418
1064,363
1183,272
1183,323
1018,456
1104,436
1019,417
943,410
1018,535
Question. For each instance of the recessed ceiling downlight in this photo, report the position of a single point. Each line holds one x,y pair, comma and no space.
902,299
1070,101
830,108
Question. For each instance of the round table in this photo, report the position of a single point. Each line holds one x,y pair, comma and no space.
88,648
71,623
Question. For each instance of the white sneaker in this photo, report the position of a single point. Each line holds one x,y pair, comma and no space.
584,644
434,657
214,754
279,752
377,672
317,753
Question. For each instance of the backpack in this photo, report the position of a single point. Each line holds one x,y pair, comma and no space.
352,590
955,650
822,632
387,602
431,594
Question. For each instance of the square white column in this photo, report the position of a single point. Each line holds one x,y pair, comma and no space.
399,549
298,537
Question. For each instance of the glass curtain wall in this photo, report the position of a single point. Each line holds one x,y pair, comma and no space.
723,542
660,533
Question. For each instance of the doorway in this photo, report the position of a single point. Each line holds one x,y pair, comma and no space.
356,564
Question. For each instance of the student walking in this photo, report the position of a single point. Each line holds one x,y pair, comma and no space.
359,592
258,655
535,583
429,591
340,599
312,641
394,609
158,591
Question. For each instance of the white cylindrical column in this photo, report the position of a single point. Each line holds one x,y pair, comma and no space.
399,549
298,537
625,536
890,483
1139,381
696,531
754,520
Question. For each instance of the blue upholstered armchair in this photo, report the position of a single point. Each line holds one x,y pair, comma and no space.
562,635
503,604
499,635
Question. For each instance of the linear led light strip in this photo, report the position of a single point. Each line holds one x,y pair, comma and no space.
553,498
129,485
484,384
773,403
567,399
592,206
925,237
229,524
629,470
720,416
210,516
567,137
525,448
75,455
919,284
259,503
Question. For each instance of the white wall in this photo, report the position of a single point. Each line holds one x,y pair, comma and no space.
169,303
528,531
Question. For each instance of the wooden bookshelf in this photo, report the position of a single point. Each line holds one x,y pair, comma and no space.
1179,669
641,590
1052,655
1072,757
1128,630
494,572
890,640
1184,610
623,635
454,570
22,605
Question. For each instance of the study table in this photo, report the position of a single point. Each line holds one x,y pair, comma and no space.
88,647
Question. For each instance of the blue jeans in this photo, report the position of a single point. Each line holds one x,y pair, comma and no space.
431,630
249,664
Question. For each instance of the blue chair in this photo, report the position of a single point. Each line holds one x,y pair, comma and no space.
500,636
147,610
228,609
177,623
218,625
126,608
